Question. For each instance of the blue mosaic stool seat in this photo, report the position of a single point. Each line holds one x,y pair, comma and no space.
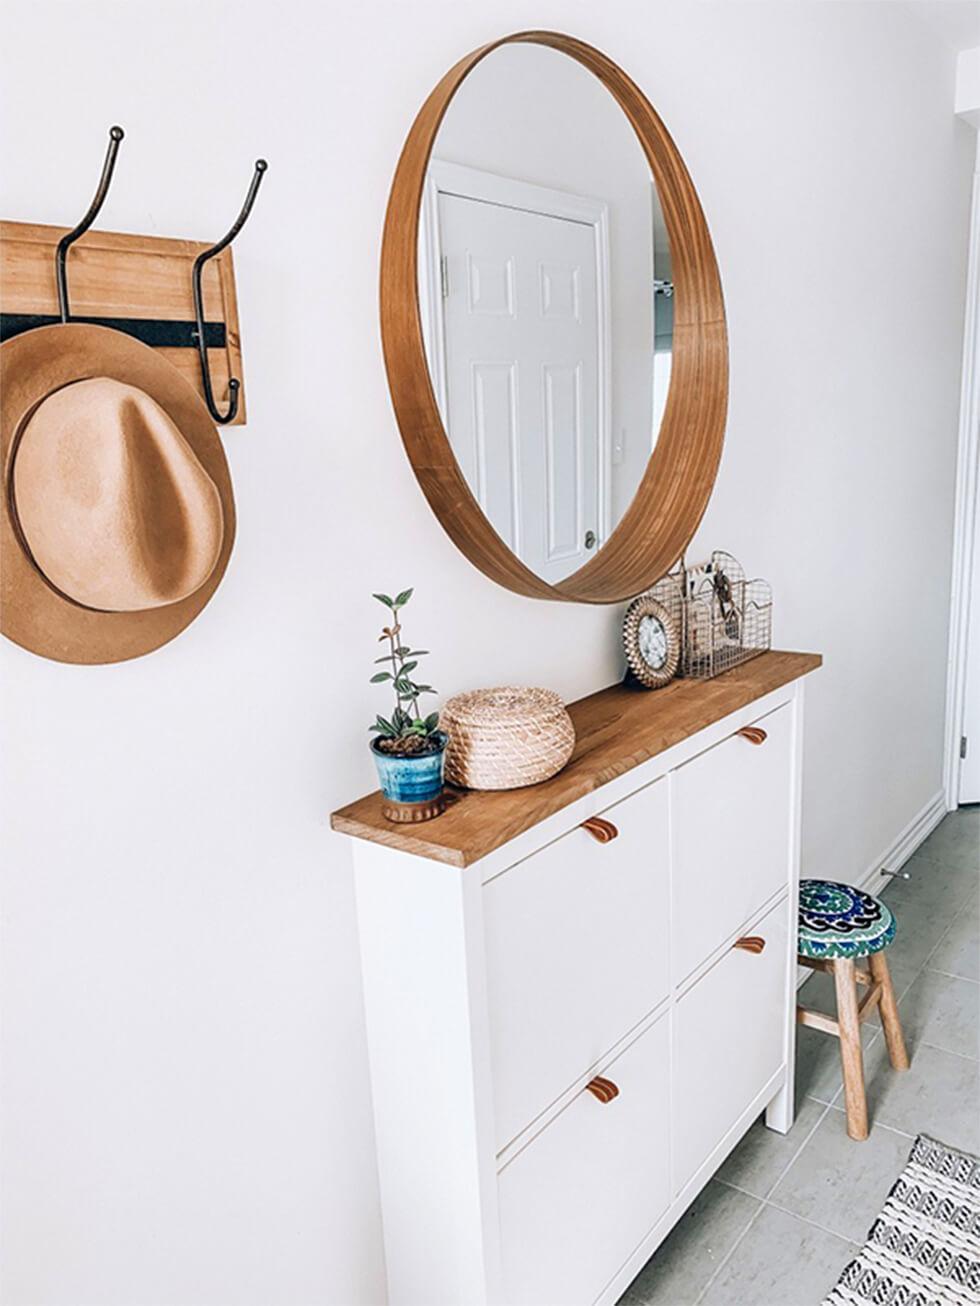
839,924
837,920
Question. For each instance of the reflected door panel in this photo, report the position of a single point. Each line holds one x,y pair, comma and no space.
521,348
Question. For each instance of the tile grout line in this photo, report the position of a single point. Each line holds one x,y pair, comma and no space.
951,974
814,1224
893,1129
821,1100
796,1155
763,1203
930,954
936,1047
792,1160
731,1251
945,936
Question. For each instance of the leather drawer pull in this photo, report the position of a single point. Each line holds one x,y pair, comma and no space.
754,734
750,943
600,829
604,1089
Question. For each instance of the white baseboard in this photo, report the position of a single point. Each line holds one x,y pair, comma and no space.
901,849
897,853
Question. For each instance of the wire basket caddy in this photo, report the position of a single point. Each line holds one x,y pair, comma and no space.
725,619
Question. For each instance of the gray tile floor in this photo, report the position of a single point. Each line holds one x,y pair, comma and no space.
784,1214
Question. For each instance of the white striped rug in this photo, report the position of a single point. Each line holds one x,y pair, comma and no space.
924,1247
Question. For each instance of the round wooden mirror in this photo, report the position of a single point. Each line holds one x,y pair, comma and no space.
553,322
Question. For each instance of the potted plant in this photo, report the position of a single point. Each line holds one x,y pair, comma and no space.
408,747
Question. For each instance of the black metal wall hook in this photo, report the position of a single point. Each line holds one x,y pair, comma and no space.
159,333
234,385
64,245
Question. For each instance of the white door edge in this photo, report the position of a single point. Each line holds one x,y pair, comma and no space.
965,520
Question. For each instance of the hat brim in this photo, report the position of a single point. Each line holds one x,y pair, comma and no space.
32,612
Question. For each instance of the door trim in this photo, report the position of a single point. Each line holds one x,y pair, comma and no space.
965,519
444,178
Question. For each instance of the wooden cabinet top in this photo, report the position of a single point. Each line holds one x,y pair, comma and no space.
615,730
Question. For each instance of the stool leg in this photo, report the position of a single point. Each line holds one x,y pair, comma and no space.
888,1008
851,1059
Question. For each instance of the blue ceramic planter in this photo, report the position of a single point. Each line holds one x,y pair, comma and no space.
411,786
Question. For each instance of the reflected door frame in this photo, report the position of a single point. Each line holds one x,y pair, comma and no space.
458,179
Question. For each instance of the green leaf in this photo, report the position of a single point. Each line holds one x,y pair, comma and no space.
407,667
379,677
386,728
383,598
417,652
404,686
403,598
424,689
431,722
388,658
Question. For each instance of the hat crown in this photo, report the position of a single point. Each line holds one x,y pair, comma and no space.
117,512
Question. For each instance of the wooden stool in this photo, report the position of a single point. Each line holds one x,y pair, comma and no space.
838,926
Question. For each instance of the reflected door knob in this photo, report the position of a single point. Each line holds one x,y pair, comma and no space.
590,539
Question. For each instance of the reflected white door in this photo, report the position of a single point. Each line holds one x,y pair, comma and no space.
521,344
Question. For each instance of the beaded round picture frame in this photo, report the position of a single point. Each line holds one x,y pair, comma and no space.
651,641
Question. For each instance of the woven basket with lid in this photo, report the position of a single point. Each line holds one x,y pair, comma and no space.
506,737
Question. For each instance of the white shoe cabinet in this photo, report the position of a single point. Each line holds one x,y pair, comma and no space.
567,1036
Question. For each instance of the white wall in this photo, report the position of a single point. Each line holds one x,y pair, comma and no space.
186,1115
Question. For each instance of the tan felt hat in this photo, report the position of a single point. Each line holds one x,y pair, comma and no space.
117,513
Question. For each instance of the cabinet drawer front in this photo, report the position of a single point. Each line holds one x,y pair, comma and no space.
729,1035
730,810
576,946
577,1201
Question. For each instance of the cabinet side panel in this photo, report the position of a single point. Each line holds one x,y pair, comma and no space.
425,1005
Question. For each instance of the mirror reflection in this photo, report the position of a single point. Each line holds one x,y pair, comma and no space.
547,302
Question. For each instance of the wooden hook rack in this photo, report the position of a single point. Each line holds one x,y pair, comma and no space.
142,285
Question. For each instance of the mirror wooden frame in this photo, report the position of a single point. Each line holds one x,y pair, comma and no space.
673,494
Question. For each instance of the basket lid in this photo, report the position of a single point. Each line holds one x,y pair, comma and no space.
502,703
